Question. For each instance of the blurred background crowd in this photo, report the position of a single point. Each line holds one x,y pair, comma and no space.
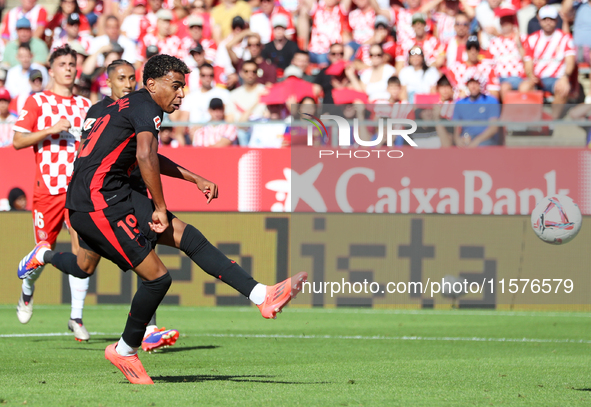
269,61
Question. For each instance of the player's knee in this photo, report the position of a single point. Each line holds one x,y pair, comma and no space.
160,284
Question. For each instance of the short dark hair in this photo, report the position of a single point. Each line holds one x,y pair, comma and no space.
60,52
443,81
250,61
393,80
336,43
113,65
25,45
160,65
206,65
301,51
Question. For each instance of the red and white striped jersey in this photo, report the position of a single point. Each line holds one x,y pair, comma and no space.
327,27
447,109
171,45
430,46
55,154
460,72
362,24
548,53
7,131
402,19
455,52
505,52
445,26
37,16
209,135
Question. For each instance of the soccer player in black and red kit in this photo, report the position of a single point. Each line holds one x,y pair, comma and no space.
112,220
121,80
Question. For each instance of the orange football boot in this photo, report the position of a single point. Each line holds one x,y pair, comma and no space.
130,366
279,295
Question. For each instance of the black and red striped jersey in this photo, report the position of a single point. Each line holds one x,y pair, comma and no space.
102,171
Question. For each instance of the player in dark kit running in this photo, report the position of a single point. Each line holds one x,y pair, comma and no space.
111,219
121,80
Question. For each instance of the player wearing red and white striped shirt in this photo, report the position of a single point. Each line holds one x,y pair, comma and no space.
549,58
432,48
474,68
51,122
33,12
215,135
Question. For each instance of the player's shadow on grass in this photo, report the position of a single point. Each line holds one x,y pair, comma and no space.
582,389
225,378
185,349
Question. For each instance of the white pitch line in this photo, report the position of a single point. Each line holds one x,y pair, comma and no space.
340,337
346,310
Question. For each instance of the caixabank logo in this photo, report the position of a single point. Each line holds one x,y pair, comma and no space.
350,136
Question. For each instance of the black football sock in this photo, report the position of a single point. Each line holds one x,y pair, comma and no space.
214,262
66,262
143,306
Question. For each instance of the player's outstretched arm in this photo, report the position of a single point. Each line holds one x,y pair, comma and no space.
147,158
24,140
172,169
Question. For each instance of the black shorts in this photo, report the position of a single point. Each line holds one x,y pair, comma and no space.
120,233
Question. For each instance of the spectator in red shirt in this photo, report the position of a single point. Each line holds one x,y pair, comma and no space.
507,51
163,38
71,33
549,59
382,35
474,68
329,27
362,21
195,37
59,20
445,18
32,11
261,21
433,51
455,50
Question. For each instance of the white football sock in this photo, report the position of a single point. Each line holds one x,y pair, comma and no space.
258,293
40,254
150,329
78,289
29,282
124,349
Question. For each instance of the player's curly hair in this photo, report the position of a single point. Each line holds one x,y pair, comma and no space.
61,51
160,65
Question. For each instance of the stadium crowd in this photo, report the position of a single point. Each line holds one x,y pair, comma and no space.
273,60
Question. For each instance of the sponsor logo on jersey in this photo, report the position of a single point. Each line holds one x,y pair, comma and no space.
157,122
88,124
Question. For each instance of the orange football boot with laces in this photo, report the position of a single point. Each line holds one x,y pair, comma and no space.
279,295
130,366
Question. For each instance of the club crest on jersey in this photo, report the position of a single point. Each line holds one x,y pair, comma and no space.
88,124
157,122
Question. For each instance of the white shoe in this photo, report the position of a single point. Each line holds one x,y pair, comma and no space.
24,311
80,332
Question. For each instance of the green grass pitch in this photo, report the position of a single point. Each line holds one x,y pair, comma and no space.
230,356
